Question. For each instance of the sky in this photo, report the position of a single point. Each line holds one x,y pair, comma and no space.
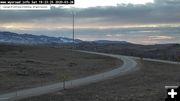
136,21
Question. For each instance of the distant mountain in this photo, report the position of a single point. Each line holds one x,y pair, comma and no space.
110,42
14,38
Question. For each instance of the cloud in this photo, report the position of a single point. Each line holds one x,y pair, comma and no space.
135,23
167,2
114,35
157,39
152,13
160,37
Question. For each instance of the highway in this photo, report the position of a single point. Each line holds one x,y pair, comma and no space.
129,65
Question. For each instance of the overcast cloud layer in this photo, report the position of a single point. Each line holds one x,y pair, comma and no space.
103,22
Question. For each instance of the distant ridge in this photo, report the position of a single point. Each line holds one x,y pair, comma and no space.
110,42
168,51
15,38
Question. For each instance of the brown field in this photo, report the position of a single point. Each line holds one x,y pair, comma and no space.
26,66
147,84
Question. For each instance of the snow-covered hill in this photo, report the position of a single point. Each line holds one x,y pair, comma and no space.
10,37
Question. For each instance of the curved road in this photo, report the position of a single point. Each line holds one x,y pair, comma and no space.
128,65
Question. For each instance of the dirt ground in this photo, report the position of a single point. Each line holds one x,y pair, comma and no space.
23,67
147,84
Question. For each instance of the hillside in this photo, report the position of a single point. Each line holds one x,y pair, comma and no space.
157,51
29,39
30,66
146,84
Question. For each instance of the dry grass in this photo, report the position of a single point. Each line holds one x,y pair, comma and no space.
147,84
23,67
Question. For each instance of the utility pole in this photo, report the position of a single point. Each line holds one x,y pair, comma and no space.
64,82
73,31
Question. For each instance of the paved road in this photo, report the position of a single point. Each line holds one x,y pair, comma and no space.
155,60
128,65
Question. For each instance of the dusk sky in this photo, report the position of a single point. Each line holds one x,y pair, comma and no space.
137,21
